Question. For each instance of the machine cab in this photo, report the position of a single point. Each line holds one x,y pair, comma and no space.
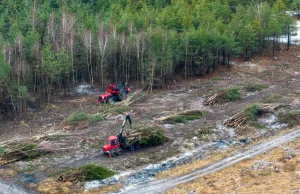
112,143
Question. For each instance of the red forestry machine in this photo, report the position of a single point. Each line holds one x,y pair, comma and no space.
129,140
114,93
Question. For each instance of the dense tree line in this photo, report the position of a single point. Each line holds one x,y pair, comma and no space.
52,45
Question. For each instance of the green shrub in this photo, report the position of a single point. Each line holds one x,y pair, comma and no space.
255,87
232,94
291,117
152,138
251,114
2,151
95,118
273,98
30,147
96,172
186,118
76,117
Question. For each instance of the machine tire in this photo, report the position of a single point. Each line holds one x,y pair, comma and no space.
111,101
121,96
113,153
137,146
120,152
131,148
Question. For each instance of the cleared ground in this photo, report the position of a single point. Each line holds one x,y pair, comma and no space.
73,147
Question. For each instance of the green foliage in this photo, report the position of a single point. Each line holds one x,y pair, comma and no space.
30,147
153,137
46,40
255,87
75,118
273,98
251,114
2,151
96,172
186,118
291,117
232,94
95,118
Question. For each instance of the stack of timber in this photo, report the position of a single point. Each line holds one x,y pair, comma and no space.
239,119
215,99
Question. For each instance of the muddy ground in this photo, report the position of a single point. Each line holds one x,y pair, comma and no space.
74,147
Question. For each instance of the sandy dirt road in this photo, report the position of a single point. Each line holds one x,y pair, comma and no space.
162,185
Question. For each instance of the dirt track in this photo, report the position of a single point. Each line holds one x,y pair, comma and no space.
163,185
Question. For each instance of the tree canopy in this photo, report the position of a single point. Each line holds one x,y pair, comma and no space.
52,45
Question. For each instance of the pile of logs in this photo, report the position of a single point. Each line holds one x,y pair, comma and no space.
215,99
239,119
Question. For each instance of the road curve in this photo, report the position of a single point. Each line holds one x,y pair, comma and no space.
162,185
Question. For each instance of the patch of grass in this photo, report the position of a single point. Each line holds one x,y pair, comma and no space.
186,118
232,94
291,117
204,131
255,87
154,138
75,118
96,172
273,98
2,151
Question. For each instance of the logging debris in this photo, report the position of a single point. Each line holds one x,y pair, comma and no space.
249,114
19,151
222,96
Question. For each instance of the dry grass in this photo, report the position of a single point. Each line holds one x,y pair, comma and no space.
7,173
182,170
107,189
52,186
280,176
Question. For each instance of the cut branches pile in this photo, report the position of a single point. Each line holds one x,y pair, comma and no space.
249,115
131,99
227,95
215,99
19,151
